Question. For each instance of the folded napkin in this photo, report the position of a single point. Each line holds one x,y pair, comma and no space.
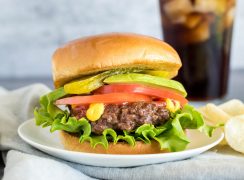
24,162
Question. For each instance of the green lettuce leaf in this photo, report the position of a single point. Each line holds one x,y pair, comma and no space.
108,134
46,114
197,121
174,137
127,138
72,125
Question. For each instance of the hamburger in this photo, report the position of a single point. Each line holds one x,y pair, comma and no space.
114,94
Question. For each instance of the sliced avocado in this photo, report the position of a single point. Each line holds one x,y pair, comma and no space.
148,79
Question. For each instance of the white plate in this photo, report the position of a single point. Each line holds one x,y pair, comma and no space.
48,142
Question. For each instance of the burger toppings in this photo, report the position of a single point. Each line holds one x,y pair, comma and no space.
123,105
86,86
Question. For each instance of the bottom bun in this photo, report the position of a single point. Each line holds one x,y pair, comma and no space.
72,143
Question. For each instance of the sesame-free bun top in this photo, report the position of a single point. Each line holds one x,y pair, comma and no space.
90,55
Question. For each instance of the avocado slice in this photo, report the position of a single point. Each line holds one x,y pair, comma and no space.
148,79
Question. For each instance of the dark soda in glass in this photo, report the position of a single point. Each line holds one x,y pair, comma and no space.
200,31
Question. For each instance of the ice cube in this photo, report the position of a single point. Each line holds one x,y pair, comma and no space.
205,6
199,34
214,6
229,17
221,7
193,20
177,10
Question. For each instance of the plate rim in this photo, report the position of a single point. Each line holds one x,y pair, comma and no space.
115,156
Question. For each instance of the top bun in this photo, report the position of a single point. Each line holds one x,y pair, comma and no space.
90,55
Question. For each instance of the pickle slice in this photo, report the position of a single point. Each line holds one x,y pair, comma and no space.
85,86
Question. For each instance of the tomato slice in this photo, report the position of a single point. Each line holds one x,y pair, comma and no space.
159,92
109,98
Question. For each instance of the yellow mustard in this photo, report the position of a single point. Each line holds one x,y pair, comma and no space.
95,111
177,105
171,106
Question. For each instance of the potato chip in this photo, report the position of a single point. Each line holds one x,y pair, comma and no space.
202,110
222,114
211,119
215,114
234,133
233,108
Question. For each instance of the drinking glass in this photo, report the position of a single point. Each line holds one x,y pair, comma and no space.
201,32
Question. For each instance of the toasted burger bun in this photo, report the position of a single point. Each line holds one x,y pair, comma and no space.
72,143
94,54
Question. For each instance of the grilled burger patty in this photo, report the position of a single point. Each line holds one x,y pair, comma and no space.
126,116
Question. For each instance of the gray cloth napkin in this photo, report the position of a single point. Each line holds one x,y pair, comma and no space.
25,162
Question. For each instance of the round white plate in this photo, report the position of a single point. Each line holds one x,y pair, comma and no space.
48,142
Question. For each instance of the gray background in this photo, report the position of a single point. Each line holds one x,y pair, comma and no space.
30,30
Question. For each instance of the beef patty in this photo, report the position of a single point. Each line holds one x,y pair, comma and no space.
126,116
